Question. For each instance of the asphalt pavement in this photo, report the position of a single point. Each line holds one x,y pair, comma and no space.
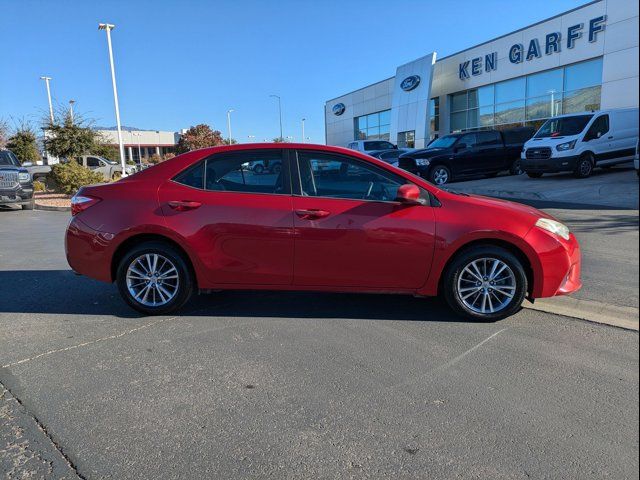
298,385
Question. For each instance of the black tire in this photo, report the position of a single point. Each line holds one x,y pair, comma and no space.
516,168
185,285
464,258
29,206
535,174
440,175
258,169
277,168
584,166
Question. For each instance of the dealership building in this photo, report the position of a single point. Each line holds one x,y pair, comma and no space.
581,60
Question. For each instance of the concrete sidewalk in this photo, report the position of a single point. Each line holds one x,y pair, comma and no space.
616,187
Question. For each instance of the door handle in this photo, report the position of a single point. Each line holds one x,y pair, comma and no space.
184,205
312,214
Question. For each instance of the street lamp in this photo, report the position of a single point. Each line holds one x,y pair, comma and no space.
108,27
138,134
249,137
229,123
71,102
303,129
46,81
279,113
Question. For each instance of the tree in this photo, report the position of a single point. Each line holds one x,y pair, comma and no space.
4,133
69,138
233,141
279,140
200,136
24,144
105,150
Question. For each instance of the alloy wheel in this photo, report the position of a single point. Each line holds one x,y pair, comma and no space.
440,176
152,280
486,285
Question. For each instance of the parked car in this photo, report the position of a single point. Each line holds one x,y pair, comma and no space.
260,167
16,184
390,156
201,222
486,152
580,142
109,169
371,145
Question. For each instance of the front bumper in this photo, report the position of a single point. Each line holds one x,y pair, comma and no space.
549,165
560,265
21,195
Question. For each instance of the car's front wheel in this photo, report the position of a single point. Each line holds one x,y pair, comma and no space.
485,283
584,166
154,278
439,175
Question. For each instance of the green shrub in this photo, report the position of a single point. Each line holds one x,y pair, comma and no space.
71,176
39,186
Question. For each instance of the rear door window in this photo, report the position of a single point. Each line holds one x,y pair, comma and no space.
598,128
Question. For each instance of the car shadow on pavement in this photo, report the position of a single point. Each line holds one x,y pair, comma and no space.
64,293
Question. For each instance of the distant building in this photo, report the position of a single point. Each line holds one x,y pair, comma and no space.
142,143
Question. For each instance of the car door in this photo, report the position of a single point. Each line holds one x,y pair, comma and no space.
464,155
598,139
349,231
490,153
239,222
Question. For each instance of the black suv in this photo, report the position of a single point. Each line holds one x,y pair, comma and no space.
16,184
484,152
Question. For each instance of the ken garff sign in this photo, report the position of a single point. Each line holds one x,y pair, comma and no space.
410,83
338,109
517,53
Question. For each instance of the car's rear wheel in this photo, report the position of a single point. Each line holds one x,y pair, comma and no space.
584,166
439,175
154,278
534,174
486,283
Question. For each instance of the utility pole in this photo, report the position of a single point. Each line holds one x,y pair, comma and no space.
71,102
108,27
280,114
229,124
46,81
303,130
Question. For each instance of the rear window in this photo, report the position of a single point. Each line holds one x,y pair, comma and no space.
377,145
563,126
192,176
518,136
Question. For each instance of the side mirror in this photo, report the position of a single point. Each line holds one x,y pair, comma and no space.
598,134
395,147
460,147
409,194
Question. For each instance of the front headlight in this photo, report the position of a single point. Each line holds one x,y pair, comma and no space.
554,227
24,177
566,146
423,162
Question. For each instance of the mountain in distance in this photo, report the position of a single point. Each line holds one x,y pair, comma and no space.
124,128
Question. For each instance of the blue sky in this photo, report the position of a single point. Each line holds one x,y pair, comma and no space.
180,63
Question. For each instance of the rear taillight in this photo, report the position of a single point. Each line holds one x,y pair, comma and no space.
79,203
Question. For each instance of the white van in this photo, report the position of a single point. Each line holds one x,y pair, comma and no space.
579,142
370,145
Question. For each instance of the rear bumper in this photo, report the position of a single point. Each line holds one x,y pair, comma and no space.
550,165
88,251
560,264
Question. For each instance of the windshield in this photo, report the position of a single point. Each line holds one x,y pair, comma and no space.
8,158
563,126
443,142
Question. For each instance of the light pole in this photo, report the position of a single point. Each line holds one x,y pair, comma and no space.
279,113
138,134
108,27
71,102
303,129
229,123
46,81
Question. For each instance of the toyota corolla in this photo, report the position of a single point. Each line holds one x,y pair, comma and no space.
204,221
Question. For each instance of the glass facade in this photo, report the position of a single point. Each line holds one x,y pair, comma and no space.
407,139
528,100
434,117
375,126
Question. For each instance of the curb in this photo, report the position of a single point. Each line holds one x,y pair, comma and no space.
589,310
504,194
49,208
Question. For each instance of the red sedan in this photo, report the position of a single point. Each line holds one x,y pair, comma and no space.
323,219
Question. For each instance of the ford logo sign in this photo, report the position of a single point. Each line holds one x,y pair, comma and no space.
338,109
410,83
